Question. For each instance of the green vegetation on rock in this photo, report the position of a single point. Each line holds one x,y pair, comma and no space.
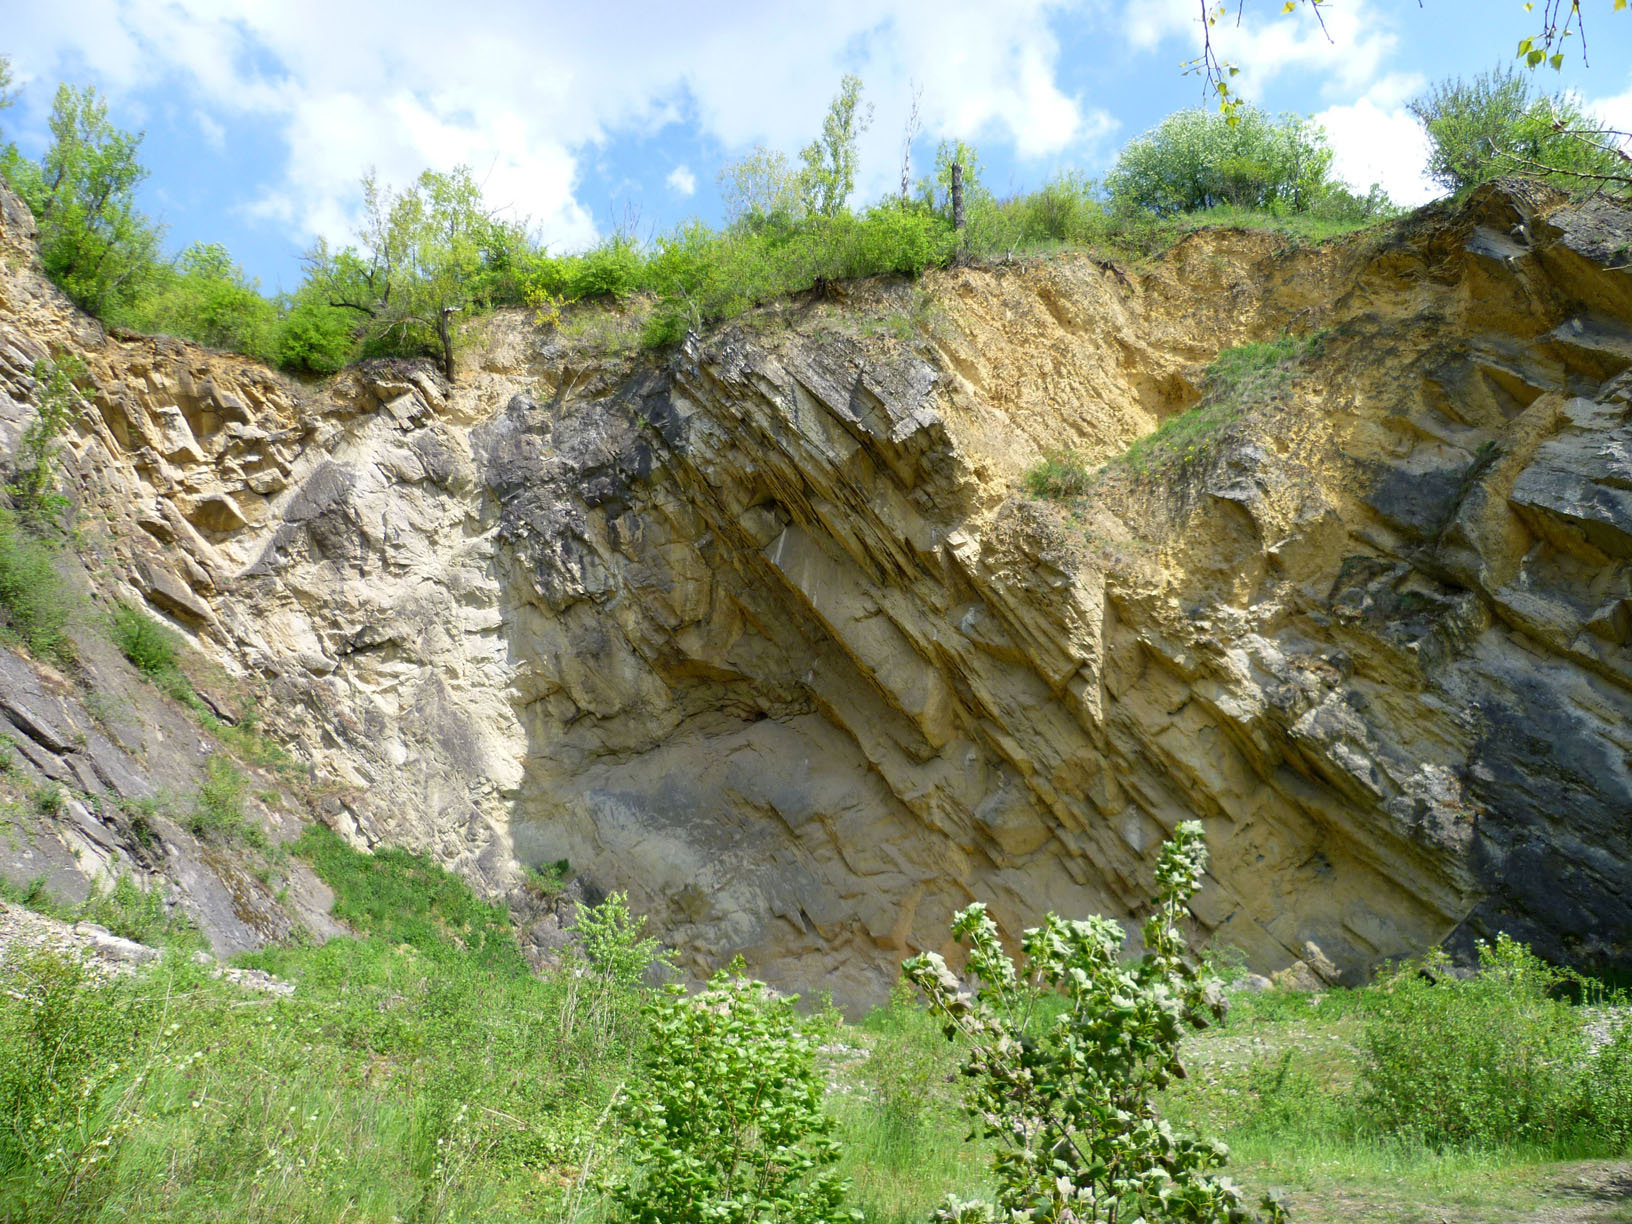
34,604
1499,123
433,254
1241,380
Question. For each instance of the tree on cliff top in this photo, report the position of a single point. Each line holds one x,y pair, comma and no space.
829,175
1497,124
423,255
94,241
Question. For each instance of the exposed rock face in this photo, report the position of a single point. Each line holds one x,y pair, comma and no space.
766,633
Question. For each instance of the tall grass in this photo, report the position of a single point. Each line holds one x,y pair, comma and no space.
420,1072
35,605
900,1117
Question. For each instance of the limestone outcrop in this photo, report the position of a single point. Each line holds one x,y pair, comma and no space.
767,632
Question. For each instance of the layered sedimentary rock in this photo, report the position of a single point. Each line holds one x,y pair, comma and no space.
767,632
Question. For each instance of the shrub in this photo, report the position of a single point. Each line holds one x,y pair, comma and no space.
548,879
1491,1062
612,269
1198,159
34,486
1497,124
724,1120
1064,209
1071,1100
133,912
142,640
604,972
218,808
1060,474
314,337
899,238
34,607
205,296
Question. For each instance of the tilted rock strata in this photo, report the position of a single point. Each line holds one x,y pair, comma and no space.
765,633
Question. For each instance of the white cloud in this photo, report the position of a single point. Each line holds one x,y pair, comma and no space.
682,181
1348,54
1374,144
1613,112
524,92
210,129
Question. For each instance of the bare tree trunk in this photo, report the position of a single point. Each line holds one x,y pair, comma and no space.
444,333
911,134
957,195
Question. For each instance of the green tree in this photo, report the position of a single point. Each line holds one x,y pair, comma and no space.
936,189
761,185
829,174
1497,123
724,1119
424,254
606,968
1068,1092
94,242
205,296
1195,159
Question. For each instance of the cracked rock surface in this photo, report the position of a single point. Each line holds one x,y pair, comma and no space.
767,632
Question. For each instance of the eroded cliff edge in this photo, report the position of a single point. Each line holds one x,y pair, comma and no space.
766,632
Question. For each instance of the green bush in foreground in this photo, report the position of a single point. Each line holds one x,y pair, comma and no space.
1071,1100
67,1093
725,1122
1498,1060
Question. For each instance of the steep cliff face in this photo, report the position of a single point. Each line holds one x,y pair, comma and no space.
766,631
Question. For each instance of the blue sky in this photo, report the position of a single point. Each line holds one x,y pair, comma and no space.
261,115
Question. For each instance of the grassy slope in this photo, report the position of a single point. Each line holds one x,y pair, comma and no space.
421,1073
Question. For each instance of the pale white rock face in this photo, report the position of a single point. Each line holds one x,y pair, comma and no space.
766,631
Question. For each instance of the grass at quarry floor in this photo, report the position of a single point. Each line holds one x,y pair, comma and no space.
420,1072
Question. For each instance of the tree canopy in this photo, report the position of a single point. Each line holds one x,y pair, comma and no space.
94,241
1195,160
829,175
1498,123
1561,20
423,254
762,184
